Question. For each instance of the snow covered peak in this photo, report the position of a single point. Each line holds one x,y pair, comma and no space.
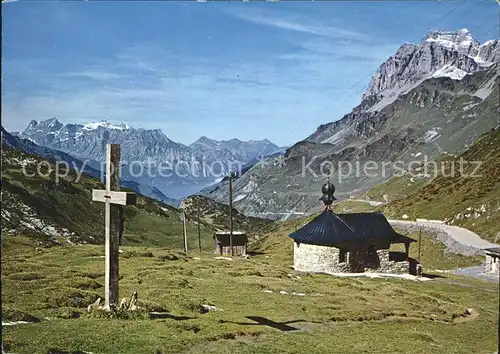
104,124
452,40
464,32
452,54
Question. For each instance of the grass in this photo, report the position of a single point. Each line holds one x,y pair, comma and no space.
352,315
396,188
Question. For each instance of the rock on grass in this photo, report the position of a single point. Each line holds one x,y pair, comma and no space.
12,315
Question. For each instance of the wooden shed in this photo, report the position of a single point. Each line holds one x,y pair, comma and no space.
492,260
222,243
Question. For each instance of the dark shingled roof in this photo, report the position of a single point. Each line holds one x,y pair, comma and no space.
329,229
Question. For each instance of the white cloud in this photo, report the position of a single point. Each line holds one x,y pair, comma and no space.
93,74
294,23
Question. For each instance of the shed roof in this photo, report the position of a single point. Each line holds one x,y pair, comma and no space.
235,233
494,251
329,229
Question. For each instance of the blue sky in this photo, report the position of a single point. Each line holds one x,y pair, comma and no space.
272,70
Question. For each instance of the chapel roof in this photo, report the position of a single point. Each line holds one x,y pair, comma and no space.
329,229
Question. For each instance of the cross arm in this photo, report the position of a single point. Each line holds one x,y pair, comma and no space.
115,197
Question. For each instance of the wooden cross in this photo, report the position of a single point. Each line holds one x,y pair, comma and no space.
114,201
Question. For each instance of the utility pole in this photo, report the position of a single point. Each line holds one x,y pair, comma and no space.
231,212
198,219
419,242
184,231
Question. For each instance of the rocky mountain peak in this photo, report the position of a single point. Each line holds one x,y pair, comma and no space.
51,124
205,141
32,124
452,54
48,128
85,141
234,140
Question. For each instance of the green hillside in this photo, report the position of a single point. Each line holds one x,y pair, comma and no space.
216,215
469,197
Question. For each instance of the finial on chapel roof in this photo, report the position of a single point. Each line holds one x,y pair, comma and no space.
328,190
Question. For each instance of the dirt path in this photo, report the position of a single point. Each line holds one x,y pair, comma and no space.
459,234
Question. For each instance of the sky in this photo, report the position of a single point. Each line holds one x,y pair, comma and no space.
246,70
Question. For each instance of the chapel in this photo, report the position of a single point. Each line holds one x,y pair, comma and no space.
354,243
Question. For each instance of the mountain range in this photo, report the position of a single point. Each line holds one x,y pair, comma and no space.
426,100
149,157
440,54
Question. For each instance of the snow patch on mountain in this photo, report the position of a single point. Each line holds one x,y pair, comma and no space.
104,124
466,107
239,197
391,95
453,40
451,72
337,137
431,135
486,89
250,187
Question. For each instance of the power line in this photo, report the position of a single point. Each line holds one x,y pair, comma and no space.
355,93
336,99
341,95
492,29
476,5
448,13
485,23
